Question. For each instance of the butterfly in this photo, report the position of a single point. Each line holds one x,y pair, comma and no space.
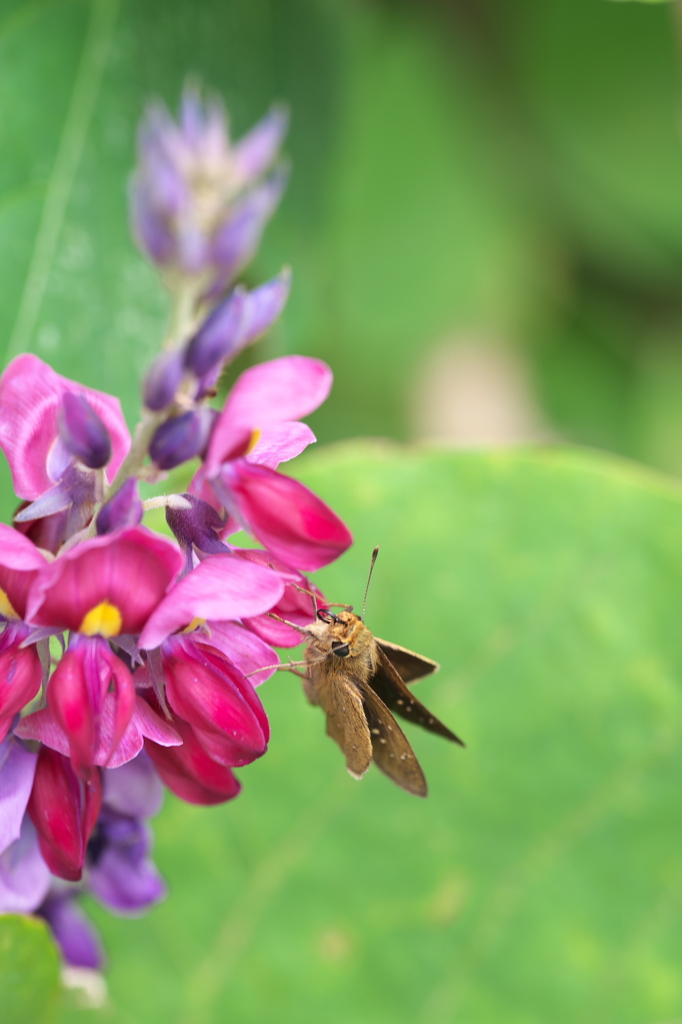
359,681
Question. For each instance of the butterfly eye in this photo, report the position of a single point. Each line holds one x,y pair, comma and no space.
340,649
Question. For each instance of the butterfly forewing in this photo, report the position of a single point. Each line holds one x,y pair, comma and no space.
410,666
390,747
387,683
346,721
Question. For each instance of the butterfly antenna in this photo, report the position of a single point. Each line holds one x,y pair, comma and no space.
371,570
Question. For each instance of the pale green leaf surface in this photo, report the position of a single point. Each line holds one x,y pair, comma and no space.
541,879
29,971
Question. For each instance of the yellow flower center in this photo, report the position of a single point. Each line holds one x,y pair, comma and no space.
255,438
103,620
194,624
6,608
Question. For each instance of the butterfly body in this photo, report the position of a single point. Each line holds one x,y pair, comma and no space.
359,681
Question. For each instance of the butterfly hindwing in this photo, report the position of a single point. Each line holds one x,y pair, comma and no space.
391,750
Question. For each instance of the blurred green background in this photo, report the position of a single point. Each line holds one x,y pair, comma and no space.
485,227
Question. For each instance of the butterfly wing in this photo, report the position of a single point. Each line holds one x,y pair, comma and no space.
391,750
346,721
410,666
389,686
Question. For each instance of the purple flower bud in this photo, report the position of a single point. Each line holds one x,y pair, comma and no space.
83,431
263,307
181,438
197,526
124,509
235,244
191,181
76,936
162,381
255,152
219,336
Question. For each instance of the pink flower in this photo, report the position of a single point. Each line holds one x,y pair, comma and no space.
223,587
262,410
257,430
31,396
296,604
100,589
105,586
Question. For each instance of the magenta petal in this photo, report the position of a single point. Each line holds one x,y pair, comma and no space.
76,707
130,569
20,560
64,812
214,698
30,398
190,773
244,649
124,697
21,675
17,769
280,442
285,516
280,390
221,587
18,552
42,725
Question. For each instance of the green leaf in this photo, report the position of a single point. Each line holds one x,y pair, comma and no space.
541,879
29,971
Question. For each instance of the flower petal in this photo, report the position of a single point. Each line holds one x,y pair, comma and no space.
134,788
244,649
287,518
280,442
30,398
221,587
279,390
64,812
214,698
20,560
190,773
42,725
24,875
130,569
75,934
17,770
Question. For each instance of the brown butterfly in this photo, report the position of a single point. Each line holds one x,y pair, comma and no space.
359,682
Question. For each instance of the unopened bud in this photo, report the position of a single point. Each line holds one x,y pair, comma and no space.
219,336
83,432
181,438
124,509
196,524
162,381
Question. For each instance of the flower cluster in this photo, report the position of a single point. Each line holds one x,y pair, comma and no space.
127,658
